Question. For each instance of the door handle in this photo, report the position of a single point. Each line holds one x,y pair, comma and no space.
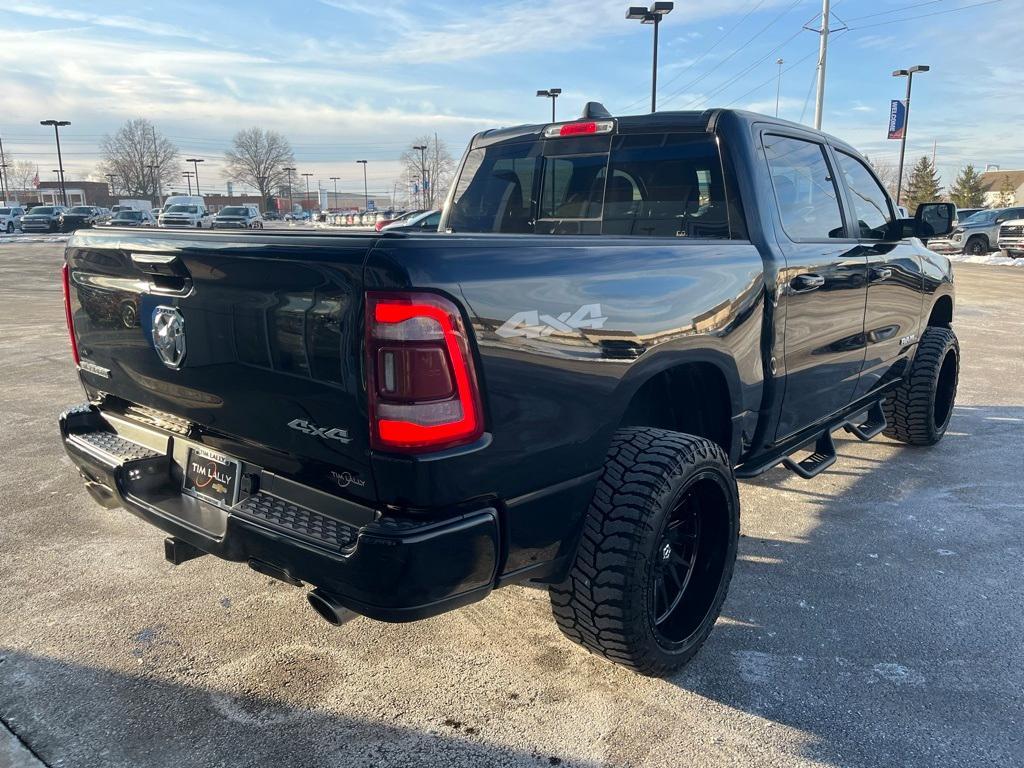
806,282
877,274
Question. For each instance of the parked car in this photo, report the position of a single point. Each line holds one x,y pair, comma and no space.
271,216
978,234
131,219
186,214
561,388
425,221
80,217
391,219
1011,238
237,217
10,218
962,214
43,218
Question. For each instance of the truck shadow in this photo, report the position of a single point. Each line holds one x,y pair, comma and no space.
872,611
163,723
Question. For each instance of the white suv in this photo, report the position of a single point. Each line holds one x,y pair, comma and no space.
1011,238
186,215
10,218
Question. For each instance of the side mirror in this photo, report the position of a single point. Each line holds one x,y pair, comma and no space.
934,220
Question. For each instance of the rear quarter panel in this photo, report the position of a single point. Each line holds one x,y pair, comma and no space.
555,394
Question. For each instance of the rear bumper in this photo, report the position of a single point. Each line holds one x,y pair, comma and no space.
386,568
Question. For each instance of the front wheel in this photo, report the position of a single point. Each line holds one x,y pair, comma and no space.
919,410
657,552
10,227
977,246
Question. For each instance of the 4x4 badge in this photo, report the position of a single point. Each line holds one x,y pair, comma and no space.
532,324
308,428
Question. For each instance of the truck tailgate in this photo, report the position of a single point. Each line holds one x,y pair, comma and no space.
255,339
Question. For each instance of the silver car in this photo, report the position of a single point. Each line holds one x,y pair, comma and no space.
1011,238
978,234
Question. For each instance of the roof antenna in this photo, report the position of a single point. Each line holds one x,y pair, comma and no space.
594,110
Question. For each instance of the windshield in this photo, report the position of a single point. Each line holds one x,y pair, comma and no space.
981,217
182,209
656,185
128,216
234,211
42,209
80,209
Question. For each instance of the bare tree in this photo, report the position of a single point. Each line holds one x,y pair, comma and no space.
20,175
129,153
257,157
887,174
428,173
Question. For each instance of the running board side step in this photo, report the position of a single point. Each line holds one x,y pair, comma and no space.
823,457
871,428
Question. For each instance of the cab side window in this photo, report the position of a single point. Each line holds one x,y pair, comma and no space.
805,190
870,203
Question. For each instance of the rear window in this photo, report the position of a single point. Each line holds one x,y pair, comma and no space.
653,185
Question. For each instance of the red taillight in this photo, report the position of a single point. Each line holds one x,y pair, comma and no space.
574,129
421,383
66,282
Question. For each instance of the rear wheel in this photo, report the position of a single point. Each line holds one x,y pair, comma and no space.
919,411
657,552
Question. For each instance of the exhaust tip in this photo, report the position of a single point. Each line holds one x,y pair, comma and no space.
328,608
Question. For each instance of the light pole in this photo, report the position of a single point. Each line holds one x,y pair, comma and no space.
335,180
653,16
778,86
551,93
57,125
909,74
195,164
423,173
306,175
188,175
290,170
366,194
4,186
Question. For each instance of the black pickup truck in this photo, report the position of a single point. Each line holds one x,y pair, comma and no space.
617,318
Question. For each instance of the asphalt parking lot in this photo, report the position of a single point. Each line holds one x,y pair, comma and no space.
876,616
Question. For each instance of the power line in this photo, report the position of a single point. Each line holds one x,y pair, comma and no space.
895,10
926,15
735,51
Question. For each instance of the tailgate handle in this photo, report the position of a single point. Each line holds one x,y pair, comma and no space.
167,273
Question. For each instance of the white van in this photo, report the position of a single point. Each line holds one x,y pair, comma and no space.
185,211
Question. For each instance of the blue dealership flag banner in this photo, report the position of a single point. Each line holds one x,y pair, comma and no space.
897,118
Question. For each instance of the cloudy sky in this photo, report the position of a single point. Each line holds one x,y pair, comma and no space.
348,80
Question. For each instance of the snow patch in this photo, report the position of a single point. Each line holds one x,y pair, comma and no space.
996,259
898,674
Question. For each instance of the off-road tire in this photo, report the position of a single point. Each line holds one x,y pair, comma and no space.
919,411
606,604
977,246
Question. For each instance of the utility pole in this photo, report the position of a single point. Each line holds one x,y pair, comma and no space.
778,86
909,74
819,101
335,180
